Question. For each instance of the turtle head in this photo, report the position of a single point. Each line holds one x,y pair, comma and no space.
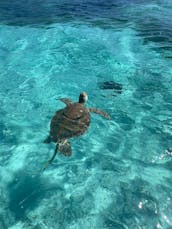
83,97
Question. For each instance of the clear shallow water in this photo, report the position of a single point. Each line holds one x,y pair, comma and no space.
119,175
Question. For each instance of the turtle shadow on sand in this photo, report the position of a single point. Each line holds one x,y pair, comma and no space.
26,192
71,121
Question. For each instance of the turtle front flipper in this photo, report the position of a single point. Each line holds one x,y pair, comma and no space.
64,147
100,112
66,101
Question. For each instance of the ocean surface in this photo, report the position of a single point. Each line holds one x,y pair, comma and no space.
120,173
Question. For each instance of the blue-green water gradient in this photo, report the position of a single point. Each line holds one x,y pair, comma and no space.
119,175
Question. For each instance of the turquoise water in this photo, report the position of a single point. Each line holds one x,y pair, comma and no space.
119,175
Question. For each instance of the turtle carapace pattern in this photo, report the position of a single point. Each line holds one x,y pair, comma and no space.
71,121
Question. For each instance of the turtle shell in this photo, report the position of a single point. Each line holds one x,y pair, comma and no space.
69,122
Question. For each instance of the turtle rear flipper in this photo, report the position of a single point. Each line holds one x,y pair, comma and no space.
65,148
51,159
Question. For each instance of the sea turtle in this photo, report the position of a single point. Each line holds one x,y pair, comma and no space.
71,121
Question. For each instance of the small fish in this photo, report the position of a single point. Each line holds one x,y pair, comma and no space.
111,85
